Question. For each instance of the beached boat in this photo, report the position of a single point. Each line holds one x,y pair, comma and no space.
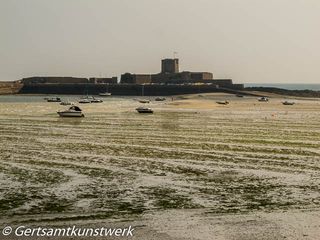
144,110
73,111
223,102
54,99
66,103
143,101
159,99
263,99
84,100
288,103
95,100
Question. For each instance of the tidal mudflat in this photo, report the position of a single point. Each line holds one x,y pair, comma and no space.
191,166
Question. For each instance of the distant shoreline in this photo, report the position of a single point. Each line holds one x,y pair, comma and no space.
286,86
285,92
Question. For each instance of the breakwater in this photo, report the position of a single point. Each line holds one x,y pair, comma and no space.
121,89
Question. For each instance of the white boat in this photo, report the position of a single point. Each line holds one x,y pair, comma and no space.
263,99
94,100
54,99
144,110
73,111
105,94
84,100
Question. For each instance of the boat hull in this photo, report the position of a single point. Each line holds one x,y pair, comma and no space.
142,111
288,103
70,114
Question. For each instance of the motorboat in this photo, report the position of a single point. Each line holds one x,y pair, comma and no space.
223,102
105,94
54,99
144,110
288,103
73,111
159,99
263,99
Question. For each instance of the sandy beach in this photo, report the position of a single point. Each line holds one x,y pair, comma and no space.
192,170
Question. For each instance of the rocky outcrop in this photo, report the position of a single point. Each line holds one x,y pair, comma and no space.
10,87
280,91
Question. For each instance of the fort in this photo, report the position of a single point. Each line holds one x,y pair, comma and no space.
170,74
168,81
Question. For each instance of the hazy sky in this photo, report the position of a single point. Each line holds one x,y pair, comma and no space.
262,41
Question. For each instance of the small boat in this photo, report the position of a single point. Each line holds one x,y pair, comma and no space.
66,103
223,102
54,99
160,99
94,100
73,111
144,110
263,99
144,101
288,103
105,94
84,100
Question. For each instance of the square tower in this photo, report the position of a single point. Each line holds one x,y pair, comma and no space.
170,65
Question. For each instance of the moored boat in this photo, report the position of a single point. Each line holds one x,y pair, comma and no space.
288,103
105,94
159,99
84,100
144,110
143,101
223,102
263,99
95,100
66,103
54,99
73,111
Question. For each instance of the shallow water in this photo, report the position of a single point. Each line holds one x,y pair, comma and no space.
243,158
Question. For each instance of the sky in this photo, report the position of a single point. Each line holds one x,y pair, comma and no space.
250,41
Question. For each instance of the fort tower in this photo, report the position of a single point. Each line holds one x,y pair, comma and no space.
170,65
